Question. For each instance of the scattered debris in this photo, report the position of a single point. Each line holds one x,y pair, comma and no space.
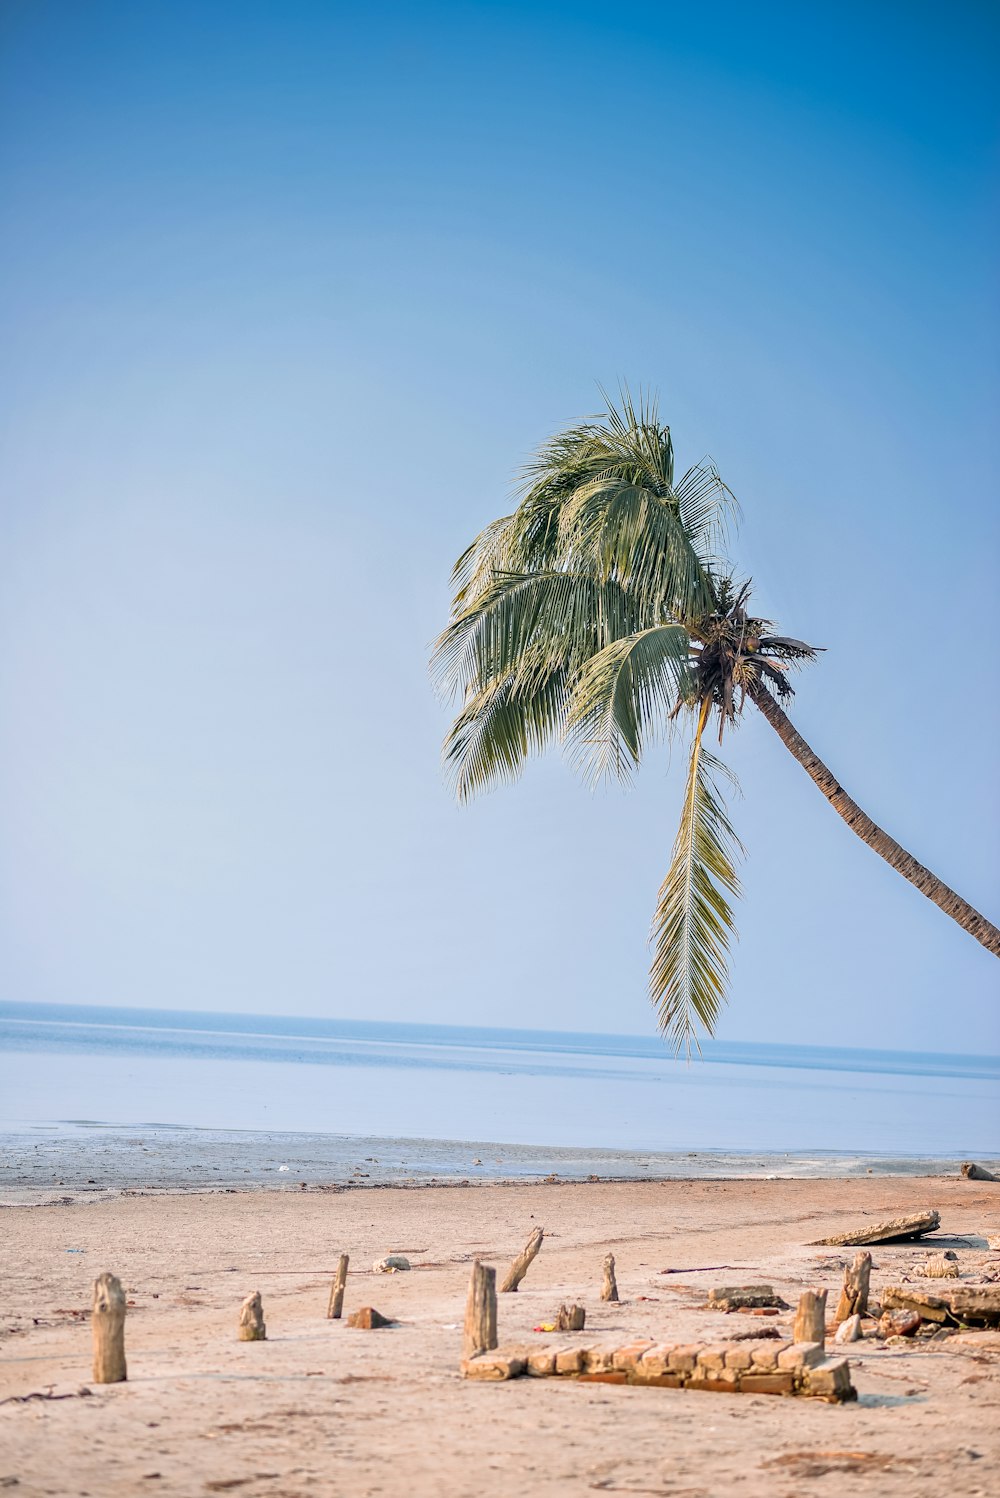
964,1303
570,1319
391,1264
940,1266
896,1230
973,1172
368,1319
745,1297
609,1289
899,1323
849,1330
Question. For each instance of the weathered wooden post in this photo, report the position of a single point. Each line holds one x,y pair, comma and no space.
810,1318
519,1268
336,1302
854,1296
609,1290
480,1331
108,1329
252,1328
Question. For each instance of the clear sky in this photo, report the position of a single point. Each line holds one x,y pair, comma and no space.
289,292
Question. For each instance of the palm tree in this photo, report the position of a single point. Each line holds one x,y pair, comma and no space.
602,614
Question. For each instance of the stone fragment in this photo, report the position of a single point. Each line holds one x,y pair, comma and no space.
744,1297
800,1355
830,1380
541,1362
493,1366
941,1267
711,1358
849,1330
896,1230
368,1319
391,1264
899,1323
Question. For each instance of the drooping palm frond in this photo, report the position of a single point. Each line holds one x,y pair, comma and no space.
526,625
499,728
693,923
625,695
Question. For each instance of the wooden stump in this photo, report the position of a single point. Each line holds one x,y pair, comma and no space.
609,1289
519,1268
108,1329
336,1302
479,1333
570,1319
854,1296
252,1328
810,1318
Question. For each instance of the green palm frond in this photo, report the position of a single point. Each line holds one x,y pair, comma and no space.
706,505
499,728
618,528
527,625
624,695
693,923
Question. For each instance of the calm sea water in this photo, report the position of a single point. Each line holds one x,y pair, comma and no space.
75,1069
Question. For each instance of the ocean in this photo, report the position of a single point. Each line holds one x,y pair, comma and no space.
236,1095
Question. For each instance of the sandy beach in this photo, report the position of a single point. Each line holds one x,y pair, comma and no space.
321,1408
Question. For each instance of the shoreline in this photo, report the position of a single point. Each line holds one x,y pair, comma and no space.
84,1160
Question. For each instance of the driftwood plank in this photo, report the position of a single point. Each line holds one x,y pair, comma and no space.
515,1274
108,1330
895,1230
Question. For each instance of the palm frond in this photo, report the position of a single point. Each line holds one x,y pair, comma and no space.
498,729
528,625
624,695
693,923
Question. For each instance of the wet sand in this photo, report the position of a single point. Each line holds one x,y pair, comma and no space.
323,1409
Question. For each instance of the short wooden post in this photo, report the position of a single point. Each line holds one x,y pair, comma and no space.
854,1296
252,1328
479,1333
609,1290
519,1268
810,1318
336,1302
108,1329
570,1319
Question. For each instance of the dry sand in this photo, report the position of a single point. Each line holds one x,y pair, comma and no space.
323,1409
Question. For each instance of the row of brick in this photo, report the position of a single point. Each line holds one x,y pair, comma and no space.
764,1367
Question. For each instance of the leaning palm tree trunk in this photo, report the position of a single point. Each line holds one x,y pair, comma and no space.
886,847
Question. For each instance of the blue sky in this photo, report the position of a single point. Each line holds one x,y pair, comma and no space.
289,292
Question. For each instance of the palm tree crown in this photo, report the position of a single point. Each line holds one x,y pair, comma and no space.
601,614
